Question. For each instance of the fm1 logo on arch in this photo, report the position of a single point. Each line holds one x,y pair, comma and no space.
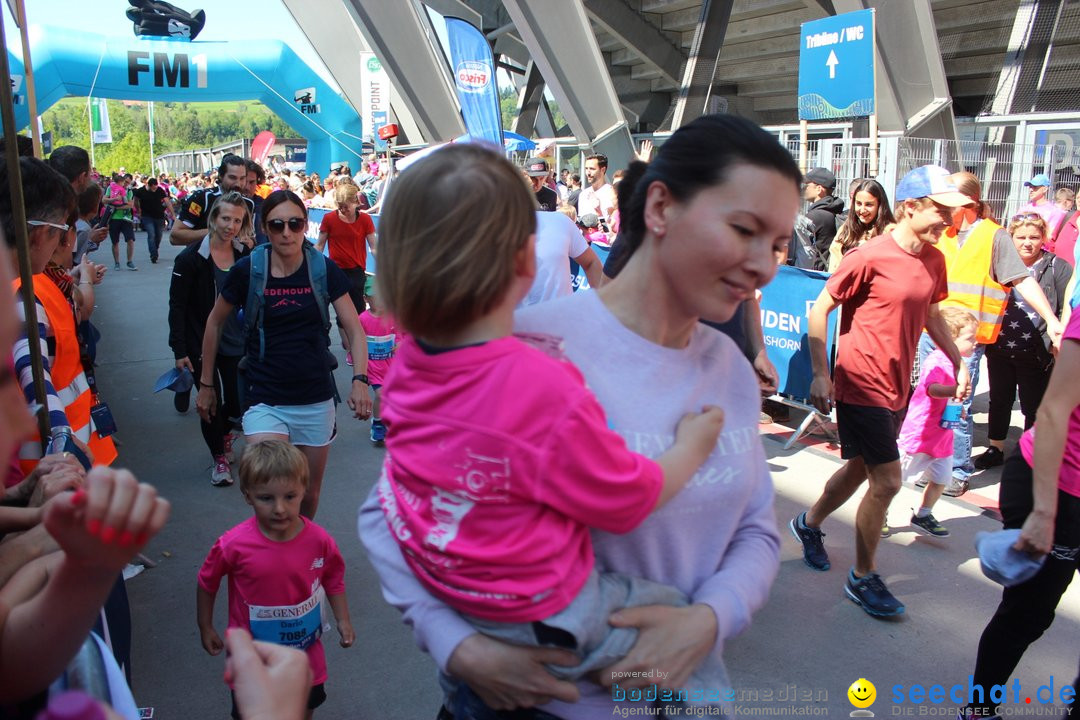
174,71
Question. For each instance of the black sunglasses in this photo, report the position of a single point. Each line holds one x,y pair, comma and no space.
295,224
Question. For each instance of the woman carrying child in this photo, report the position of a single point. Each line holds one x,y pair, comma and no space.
699,246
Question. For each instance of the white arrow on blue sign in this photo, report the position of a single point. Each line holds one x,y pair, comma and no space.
836,67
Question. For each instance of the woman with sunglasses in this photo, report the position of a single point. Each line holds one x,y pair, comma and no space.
1021,359
983,265
287,382
199,273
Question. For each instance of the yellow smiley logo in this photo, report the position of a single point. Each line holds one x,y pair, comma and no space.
862,693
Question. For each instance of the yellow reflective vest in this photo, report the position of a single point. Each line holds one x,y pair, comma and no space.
970,283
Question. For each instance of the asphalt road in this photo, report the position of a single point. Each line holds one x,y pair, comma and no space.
803,651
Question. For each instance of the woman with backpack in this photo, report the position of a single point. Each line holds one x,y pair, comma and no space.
199,273
286,288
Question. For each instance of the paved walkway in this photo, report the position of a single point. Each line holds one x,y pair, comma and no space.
809,642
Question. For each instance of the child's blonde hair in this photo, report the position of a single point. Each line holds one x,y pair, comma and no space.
448,236
344,193
272,460
958,319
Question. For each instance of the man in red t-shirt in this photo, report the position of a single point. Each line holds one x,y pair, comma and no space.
890,288
351,234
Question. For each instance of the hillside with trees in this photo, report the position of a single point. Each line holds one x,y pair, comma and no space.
177,126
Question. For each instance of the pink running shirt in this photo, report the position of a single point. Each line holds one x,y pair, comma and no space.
269,573
499,461
1069,479
922,431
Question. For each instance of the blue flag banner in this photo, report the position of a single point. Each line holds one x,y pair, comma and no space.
473,69
785,317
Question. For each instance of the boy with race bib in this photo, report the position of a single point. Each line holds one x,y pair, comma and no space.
283,569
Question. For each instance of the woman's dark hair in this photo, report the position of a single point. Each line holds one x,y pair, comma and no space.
47,195
697,156
853,229
280,197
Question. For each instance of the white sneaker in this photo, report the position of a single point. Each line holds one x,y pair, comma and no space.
221,475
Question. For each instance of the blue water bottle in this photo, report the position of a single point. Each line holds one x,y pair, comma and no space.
951,418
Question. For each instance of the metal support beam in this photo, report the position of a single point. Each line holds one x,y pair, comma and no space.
910,72
398,35
336,39
700,71
564,49
533,112
636,33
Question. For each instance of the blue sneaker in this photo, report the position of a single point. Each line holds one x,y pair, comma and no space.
869,593
378,432
814,554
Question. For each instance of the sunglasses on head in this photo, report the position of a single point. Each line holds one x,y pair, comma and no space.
295,224
1024,217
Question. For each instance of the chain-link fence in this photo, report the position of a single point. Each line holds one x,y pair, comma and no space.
1002,168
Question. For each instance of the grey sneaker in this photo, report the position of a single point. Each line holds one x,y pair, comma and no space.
814,554
930,525
956,488
221,475
869,593
130,266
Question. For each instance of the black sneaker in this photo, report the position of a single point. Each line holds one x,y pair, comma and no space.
182,401
991,458
930,525
869,593
813,549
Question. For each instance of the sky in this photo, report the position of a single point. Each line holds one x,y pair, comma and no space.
224,20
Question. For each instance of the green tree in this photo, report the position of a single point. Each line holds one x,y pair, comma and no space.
131,152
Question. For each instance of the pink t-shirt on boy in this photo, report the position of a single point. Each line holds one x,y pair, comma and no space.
1069,479
382,340
499,462
922,431
273,575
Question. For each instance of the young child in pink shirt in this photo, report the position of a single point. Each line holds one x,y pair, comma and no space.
926,448
500,460
282,568
383,339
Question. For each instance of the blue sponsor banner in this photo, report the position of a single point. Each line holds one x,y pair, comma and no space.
836,67
473,69
785,319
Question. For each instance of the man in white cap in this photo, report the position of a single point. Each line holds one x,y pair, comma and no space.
890,288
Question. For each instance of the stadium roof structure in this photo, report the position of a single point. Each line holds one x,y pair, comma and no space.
617,67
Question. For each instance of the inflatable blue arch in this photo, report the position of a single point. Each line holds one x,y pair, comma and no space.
67,62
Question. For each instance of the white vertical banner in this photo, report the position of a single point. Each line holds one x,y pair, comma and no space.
100,129
374,97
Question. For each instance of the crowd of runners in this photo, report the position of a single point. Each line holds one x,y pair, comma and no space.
521,537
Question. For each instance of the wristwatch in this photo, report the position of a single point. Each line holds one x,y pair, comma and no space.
362,378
